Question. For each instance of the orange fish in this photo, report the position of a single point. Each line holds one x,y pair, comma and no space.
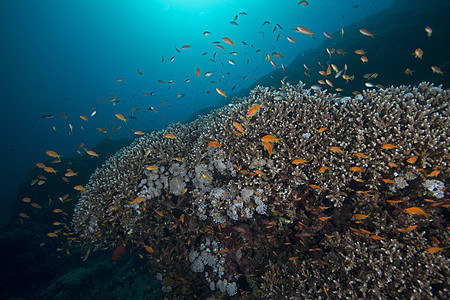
102,130
151,168
434,249
316,187
26,200
437,70
53,154
52,234
434,173
411,228
388,146
269,139
429,31
120,117
120,79
361,155
84,118
416,211
138,132
360,52
137,200
170,136
360,216
418,53
320,130
159,213
298,161
119,252
228,41
364,59
356,169
323,169
206,176
197,72
220,92
366,32
214,144
91,153
148,249
139,72
254,109
304,30
268,147
238,127
80,188
50,170
412,160
336,149
376,237
40,165
324,218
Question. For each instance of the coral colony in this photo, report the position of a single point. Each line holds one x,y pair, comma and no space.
293,193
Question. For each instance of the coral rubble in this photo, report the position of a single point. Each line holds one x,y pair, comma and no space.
302,194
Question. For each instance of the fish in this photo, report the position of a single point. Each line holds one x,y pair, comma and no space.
268,147
364,59
323,169
429,31
366,32
316,187
327,35
412,159
220,92
389,146
206,176
269,139
298,161
377,237
418,53
416,211
47,116
254,109
277,55
434,173
80,188
360,216
434,249
290,39
93,113
52,234
53,154
197,72
206,33
151,168
120,79
238,127
228,41
184,47
214,144
336,149
437,70
120,117
411,228
91,153
119,252
148,249
324,218
356,169
139,72
137,200
170,136
304,30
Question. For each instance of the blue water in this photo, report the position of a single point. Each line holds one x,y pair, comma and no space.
61,57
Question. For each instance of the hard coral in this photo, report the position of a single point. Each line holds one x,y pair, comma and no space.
236,216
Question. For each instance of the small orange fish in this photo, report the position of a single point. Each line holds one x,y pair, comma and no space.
364,59
268,147
412,159
50,170
434,249
320,130
220,92
323,169
36,205
26,200
80,188
57,210
418,53
238,127
24,215
376,237
197,72
84,118
254,109
206,176
53,154
336,149
388,146
366,32
437,70
360,52
148,249
387,180
324,218
120,79
360,216
304,30
434,173
40,165
70,174
416,211
298,161
151,168
316,187
392,165
394,201
120,117
411,228
214,144
269,139
138,132
159,213
356,169
228,41
52,234
137,200
170,136
91,153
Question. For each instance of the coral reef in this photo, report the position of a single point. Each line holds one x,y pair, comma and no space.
287,193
